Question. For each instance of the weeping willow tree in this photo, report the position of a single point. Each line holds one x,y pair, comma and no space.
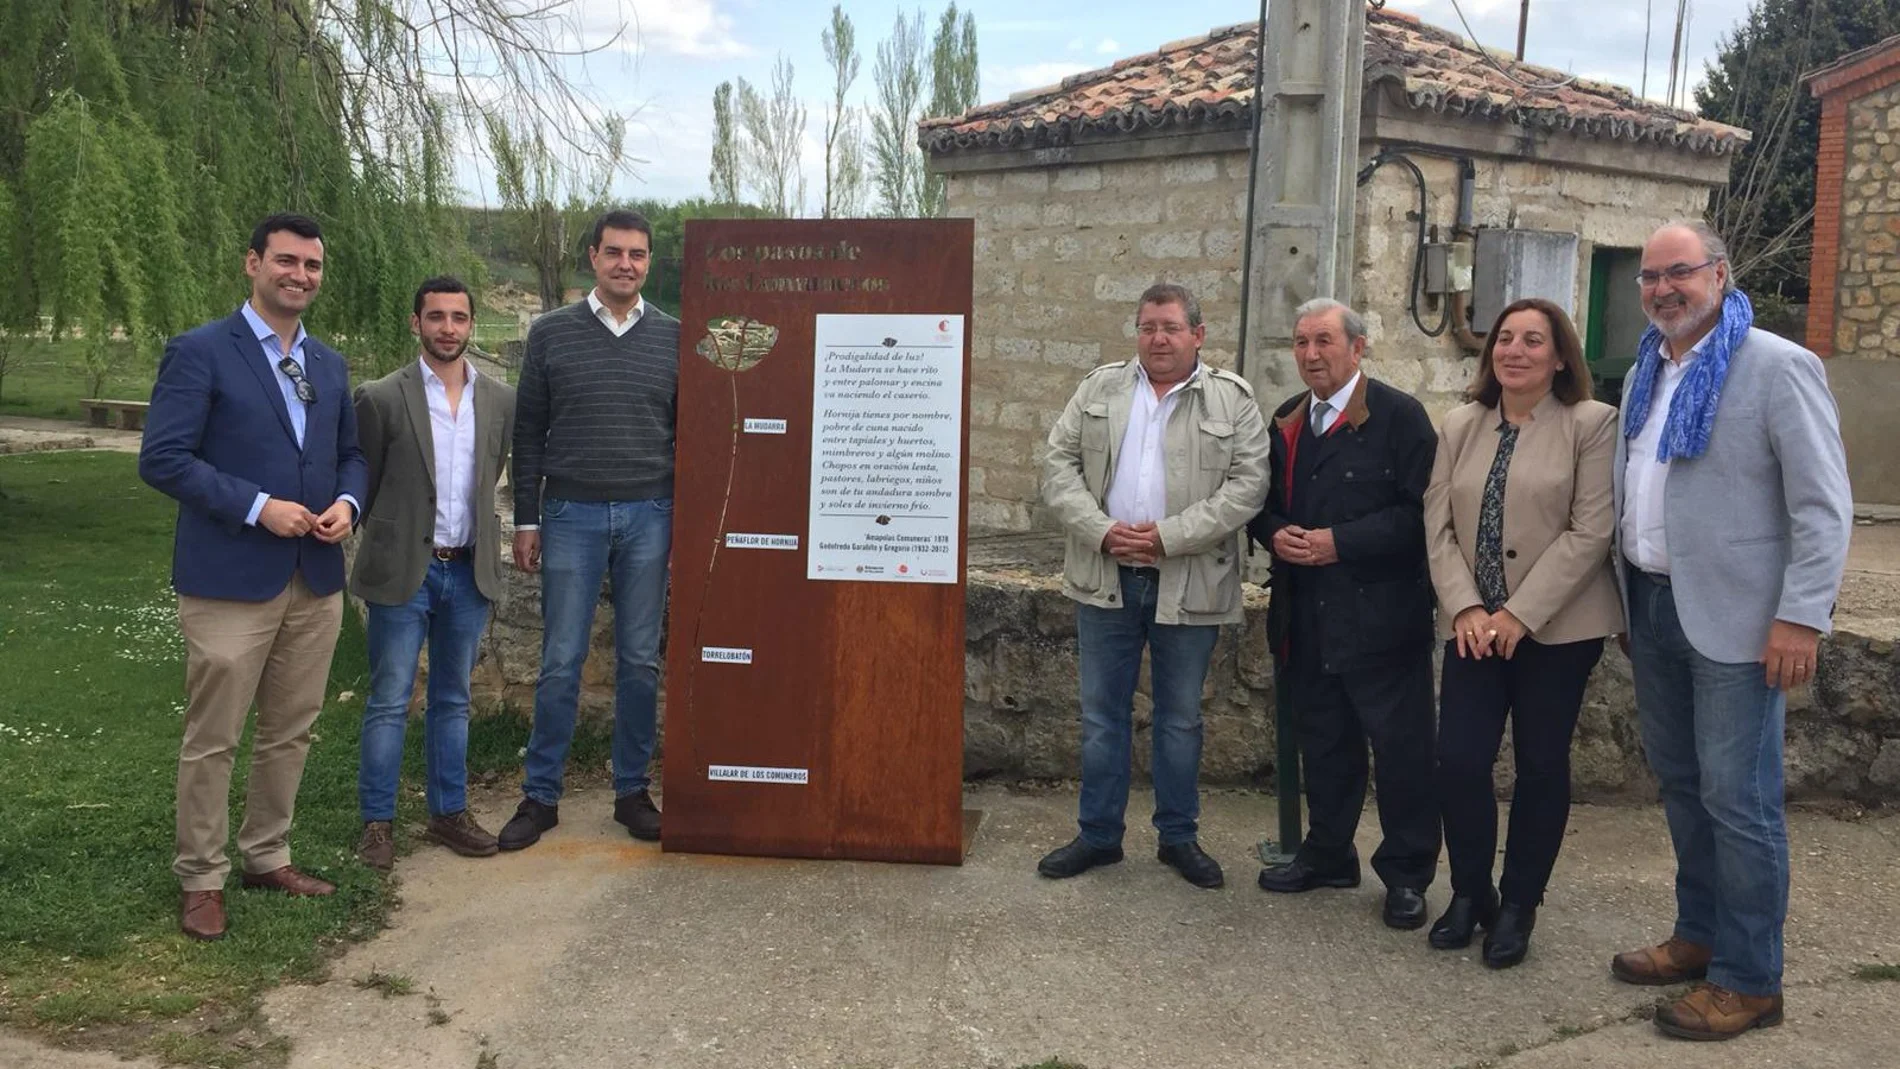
141,139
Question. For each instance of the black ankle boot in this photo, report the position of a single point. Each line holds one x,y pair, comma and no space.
1465,914
1509,938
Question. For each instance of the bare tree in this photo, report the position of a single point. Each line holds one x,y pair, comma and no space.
552,190
470,54
844,144
774,129
896,161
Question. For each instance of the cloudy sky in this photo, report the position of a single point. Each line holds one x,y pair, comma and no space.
659,60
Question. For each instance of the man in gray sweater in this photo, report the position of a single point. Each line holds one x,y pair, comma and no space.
593,482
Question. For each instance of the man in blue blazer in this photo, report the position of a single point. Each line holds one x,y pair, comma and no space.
252,431
1733,519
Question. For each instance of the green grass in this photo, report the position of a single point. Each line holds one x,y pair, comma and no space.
1876,973
90,721
46,378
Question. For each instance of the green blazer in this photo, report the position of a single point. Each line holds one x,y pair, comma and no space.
398,527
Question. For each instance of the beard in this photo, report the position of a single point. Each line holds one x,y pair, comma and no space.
434,351
1689,319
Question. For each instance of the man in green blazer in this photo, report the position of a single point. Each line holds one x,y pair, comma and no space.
436,435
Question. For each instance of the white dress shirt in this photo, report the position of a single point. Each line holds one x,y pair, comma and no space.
1645,539
453,434
299,415
1326,413
606,314
1139,493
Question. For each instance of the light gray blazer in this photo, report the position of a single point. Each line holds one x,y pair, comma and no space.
392,423
1758,524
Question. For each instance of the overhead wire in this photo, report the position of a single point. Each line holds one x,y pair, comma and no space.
1539,87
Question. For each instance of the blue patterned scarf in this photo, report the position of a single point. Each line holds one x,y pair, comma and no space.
1692,409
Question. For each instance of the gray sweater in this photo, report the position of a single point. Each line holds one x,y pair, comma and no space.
594,413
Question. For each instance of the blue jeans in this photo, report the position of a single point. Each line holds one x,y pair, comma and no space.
450,614
1713,734
583,542
1111,642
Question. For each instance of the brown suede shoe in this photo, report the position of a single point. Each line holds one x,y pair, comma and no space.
289,881
460,833
1673,961
201,915
377,847
1714,1012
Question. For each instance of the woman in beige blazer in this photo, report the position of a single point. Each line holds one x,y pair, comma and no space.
1517,522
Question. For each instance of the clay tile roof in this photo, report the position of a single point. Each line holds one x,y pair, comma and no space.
1206,83
1854,66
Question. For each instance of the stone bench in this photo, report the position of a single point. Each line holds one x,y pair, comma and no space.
130,415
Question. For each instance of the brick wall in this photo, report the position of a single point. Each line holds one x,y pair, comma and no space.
1857,223
1063,252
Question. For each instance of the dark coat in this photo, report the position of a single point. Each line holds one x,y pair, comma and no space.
1367,483
218,432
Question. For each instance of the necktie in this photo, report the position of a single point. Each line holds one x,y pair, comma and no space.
1321,412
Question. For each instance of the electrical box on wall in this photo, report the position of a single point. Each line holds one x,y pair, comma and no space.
1512,264
1447,267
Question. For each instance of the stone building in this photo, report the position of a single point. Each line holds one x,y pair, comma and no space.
1086,192
1854,275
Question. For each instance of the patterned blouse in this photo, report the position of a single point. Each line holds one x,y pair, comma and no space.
1490,551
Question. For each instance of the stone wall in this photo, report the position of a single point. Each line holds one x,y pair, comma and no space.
1867,288
1020,718
1063,252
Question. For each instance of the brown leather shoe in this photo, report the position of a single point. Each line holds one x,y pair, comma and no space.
377,847
1673,961
289,881
460,833
201,915
1714,1012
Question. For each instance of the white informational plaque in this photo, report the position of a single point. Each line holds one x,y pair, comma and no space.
886,446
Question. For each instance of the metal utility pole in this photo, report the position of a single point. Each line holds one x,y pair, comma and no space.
1649,12
1523,21
1300,241
1675,52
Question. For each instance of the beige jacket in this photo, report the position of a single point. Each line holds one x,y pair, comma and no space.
1558,518
1216,455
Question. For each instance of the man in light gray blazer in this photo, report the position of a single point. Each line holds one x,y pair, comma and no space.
436,435
1733,518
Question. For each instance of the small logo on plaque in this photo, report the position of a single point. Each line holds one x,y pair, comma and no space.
765,426
725,655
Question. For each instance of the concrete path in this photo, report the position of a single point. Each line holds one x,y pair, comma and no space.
593,950
29,434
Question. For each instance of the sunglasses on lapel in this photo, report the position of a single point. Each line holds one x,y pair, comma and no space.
306,390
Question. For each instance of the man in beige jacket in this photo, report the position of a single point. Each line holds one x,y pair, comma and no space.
1153,469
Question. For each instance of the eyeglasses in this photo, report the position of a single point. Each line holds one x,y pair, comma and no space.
1674,273
306,391
1172,330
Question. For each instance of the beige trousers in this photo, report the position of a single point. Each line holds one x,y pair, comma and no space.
277,654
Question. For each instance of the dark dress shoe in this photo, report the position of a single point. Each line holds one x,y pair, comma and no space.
289,881
1465,914
1077,858
201,915
639,815
525,827
1404,908
1300,874
1509,937
1192,863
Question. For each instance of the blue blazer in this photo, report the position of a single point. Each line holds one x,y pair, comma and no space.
218,432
